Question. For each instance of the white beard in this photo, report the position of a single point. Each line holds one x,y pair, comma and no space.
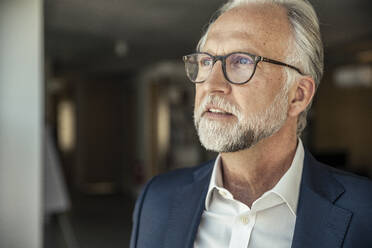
247,131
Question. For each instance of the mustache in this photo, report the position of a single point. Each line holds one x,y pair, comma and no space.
218,102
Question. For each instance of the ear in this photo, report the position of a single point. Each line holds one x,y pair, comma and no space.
301,95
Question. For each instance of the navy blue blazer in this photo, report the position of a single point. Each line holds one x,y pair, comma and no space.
334,208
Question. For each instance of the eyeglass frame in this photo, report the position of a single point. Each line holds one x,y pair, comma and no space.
256,58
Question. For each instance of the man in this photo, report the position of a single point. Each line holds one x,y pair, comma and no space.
256,72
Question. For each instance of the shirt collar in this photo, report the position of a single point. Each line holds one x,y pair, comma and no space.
288,187
215,182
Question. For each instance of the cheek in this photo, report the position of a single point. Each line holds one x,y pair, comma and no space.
198,96
248,97
270,84
257,97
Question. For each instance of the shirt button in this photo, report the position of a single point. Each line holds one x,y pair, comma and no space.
223,193
244,220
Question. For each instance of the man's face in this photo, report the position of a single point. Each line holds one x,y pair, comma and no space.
229,117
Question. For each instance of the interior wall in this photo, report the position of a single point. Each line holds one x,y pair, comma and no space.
102,127
166,137
343,122
20,123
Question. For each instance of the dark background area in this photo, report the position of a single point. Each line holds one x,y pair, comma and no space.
119,107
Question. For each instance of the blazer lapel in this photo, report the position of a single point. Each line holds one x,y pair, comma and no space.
187,208
319,222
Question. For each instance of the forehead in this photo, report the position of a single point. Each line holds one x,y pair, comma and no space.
259,28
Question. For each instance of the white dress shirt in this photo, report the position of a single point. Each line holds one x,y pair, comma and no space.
270,221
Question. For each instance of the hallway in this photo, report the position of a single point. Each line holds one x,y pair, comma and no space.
94,222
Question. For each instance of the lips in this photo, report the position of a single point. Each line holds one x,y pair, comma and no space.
215,110
218,111
216,107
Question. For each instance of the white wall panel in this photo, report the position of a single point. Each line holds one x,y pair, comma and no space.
20,123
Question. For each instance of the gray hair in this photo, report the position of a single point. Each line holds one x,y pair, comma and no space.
306,43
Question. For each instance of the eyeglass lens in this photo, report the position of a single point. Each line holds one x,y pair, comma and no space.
239,67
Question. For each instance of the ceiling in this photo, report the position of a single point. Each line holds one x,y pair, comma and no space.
118,36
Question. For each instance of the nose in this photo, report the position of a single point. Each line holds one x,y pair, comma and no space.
216,81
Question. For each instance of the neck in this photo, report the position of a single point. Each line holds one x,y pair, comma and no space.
249,173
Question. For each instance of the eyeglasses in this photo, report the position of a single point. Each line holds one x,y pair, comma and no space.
237,67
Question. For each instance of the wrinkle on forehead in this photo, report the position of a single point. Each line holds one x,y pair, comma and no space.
234,34
235,38
237,43
265,27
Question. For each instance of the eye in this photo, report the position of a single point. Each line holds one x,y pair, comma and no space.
244,61
240,60
206,61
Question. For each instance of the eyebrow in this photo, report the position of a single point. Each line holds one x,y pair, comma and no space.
234,34
248,49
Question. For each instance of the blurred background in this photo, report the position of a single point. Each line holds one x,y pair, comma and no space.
94,101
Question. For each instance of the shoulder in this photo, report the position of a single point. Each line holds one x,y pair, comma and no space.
349,194
357,199
161,188
358,189
155,202
178,177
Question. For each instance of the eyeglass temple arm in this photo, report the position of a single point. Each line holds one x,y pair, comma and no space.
280,63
